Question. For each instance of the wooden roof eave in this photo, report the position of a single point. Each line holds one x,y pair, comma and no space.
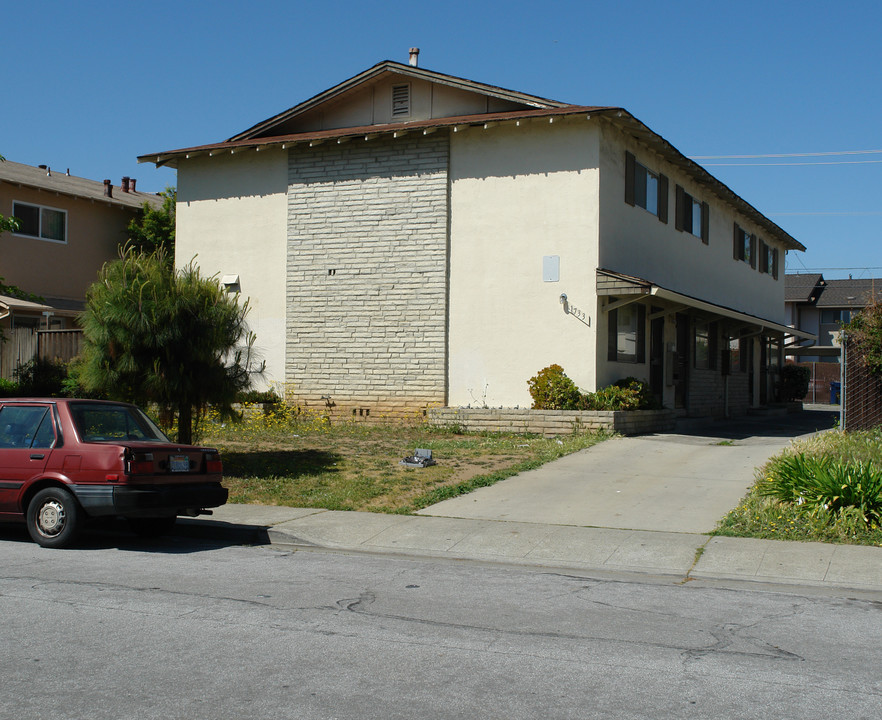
369,132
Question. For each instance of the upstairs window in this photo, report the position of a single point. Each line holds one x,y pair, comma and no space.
40,222
768,259
645,188
744,246
693,216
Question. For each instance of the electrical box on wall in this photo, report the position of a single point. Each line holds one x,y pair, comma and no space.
551,268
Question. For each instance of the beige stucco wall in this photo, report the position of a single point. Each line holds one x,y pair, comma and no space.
635,242
61,270
231,215
519,194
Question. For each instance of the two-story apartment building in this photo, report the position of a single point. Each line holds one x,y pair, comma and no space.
69,227
408,238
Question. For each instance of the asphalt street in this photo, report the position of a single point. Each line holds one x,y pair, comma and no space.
186,628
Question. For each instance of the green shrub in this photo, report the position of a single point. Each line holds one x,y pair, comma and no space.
8,388
258,397
824,485
551,389
794,382
40,378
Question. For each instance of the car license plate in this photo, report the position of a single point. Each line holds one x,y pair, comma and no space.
179,463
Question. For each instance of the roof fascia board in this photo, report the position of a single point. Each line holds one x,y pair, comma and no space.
427,126
400,69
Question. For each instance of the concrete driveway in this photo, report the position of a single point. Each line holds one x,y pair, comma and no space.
679,482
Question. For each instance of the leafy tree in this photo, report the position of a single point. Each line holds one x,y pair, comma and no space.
171,338
155,229
865,330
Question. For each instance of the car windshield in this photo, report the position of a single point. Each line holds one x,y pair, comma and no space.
97,422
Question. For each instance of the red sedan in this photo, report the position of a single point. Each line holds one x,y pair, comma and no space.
63,461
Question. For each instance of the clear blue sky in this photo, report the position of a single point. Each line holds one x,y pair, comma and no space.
91,85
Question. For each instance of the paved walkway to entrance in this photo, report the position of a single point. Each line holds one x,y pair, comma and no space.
681,483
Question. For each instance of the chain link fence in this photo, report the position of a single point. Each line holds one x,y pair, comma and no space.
861,391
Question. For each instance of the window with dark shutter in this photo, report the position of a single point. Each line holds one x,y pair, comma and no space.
775,263
630,164
753,251
705,223
645,188
663,198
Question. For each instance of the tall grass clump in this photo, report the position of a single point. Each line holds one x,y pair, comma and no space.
821,483
827,488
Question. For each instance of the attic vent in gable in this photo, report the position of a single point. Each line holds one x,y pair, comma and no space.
400,100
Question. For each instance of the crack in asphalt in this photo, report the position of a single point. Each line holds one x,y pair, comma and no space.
724,635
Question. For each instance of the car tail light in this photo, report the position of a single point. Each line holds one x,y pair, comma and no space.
213,464
139,464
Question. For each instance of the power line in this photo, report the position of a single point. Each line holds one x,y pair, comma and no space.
824,162
784,155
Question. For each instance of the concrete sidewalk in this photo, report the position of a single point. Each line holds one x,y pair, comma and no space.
629,505
682,556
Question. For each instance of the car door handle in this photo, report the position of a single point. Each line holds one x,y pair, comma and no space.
37,456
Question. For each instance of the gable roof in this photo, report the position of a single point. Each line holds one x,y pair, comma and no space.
64,184
389,68
851,293
534,107
803,288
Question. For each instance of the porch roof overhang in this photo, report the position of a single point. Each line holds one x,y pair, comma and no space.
616,284
8,304
814,350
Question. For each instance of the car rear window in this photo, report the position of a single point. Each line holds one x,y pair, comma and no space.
96,422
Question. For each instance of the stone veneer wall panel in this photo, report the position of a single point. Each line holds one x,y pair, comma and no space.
367,274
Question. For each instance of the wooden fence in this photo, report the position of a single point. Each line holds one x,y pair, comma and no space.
24,344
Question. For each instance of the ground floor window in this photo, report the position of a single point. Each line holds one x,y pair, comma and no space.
705,345
627,334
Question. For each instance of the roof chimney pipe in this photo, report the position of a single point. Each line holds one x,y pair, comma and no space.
132,182
414,56
108,189
125,184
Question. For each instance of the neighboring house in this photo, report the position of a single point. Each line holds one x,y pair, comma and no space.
408,238
69,227
820,307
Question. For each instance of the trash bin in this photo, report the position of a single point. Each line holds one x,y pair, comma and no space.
835,388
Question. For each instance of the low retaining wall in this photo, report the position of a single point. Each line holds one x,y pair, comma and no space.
553,422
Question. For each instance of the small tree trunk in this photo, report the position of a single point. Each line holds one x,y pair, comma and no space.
185,424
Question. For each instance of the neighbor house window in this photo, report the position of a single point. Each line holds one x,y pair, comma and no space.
744,246
627,334
646,188
693,216
40,222
705,345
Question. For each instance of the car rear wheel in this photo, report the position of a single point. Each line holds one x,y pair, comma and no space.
152,527
53,518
